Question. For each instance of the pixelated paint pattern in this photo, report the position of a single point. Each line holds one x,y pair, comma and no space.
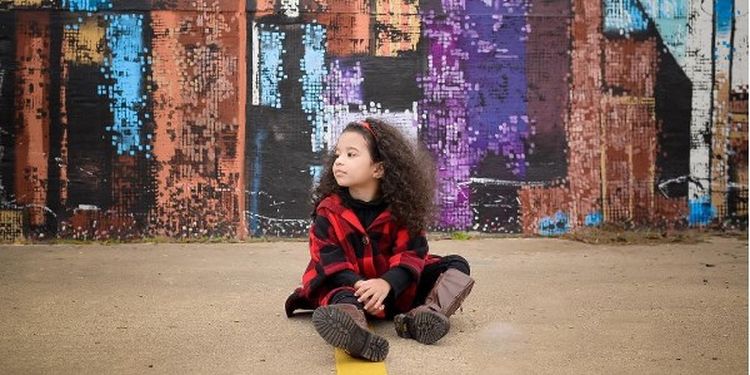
624,17
313,74
271,70
348,25
670,19
443,113
83,44
475,107
290,8
198,135
496,75
11,225
583,126
83,38
343,88
87,5
125,67
32,111
397,27
737,158
343,84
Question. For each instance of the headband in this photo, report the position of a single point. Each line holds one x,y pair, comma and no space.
367,126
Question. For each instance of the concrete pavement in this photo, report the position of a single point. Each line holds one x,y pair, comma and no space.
540,306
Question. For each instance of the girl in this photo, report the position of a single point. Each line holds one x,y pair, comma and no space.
368,246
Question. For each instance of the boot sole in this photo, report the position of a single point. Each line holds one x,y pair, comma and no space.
425,327
340,330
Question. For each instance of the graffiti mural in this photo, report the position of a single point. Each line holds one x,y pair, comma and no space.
212,118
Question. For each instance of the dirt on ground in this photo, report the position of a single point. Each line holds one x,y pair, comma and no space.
539,306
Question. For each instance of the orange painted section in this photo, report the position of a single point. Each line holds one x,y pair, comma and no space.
32,111
264,8
402,17
630,65
239,160
629,158
347,26
583,126
199,120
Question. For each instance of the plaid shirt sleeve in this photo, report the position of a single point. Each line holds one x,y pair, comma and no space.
410,252
326,254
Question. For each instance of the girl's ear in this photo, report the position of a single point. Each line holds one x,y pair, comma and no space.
379,170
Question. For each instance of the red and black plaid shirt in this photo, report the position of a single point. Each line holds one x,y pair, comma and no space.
338,242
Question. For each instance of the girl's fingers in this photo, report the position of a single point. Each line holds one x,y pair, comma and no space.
366,295
375,302
371,302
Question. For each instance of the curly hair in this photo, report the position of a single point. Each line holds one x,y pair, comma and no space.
408,182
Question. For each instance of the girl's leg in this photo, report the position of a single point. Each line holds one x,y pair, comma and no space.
342,323
432,272
442,289
346,296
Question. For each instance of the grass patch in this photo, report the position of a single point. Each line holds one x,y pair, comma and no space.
460,236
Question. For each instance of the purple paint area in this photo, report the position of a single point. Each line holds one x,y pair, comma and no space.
444,118
496,71
474,96
343,84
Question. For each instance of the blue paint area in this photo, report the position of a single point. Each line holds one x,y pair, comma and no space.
671,20
254,222
555,225
701,211
624,17
316,172
271,70
124,69
86,5
723,16
313,73
494,43
593,219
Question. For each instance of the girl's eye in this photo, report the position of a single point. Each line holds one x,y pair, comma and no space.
351,154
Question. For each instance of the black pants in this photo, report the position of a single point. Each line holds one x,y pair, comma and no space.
427,281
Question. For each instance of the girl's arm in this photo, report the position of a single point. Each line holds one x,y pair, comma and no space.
409,252
327,257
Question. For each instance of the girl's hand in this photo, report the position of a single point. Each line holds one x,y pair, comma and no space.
372,292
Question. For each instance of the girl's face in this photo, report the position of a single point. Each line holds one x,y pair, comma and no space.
354,167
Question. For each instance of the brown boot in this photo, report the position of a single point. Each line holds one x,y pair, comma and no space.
345,326
429,323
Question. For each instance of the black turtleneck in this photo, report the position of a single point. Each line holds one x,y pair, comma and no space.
366,211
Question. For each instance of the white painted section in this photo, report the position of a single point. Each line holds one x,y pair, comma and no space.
698,67
337,117
290,8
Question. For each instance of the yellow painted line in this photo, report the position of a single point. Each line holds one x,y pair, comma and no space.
348,365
